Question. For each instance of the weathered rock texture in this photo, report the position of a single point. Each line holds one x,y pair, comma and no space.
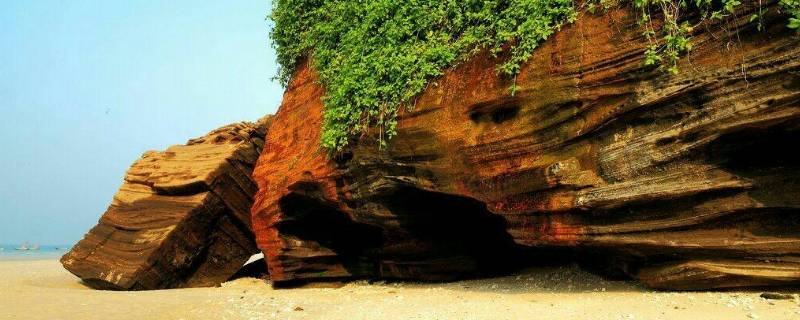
181,217
683,182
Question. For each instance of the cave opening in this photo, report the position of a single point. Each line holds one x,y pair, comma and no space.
464,231
757,150
404,232
766,158
323,227
314,219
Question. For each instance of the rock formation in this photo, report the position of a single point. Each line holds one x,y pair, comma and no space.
181,217
683,181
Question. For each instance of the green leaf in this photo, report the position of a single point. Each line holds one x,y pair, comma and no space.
794,23
374,57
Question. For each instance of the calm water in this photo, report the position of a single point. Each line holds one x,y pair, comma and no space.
8,252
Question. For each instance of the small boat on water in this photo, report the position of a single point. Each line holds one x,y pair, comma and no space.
27,247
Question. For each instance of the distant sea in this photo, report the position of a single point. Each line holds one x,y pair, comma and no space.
9,252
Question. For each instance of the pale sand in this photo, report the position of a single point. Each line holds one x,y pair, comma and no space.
43,290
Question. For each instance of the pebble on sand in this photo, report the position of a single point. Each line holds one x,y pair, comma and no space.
777,296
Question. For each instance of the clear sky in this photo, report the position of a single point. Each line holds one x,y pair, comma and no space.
87,86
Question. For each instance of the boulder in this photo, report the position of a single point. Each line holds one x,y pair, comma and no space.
181,217
681,181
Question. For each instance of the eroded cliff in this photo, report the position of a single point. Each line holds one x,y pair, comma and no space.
180,219
682,181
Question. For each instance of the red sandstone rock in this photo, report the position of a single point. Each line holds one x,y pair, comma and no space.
180,219
683,182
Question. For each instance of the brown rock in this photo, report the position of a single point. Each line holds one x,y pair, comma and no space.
684,182
776,296
180,219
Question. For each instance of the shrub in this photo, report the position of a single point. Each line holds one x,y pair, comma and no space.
375,56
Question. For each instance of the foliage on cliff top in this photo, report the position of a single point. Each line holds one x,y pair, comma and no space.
373,57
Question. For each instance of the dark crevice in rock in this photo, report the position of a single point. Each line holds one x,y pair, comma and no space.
453,225
751,152
310,219
504,114
496,112
182,190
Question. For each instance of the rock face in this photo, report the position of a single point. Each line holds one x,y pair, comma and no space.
682,182
181,217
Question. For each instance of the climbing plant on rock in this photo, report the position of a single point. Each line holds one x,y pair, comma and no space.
374,57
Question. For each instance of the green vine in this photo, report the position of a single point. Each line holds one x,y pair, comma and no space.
667,44
665,51
793,8
374,57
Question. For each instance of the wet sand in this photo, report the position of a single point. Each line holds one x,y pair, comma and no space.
41,289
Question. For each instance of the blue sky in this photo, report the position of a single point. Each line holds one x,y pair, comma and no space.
87,86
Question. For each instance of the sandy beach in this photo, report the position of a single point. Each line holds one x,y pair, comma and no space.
41,289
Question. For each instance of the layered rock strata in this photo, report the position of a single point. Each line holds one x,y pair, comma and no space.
181,217
683,181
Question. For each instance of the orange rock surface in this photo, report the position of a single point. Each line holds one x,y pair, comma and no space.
180,219
682,182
